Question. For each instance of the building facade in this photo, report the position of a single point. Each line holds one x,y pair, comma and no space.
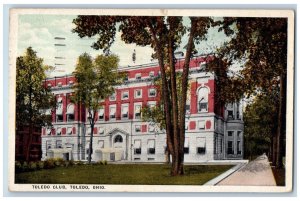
213,132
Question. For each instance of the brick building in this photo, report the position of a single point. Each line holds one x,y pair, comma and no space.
213,132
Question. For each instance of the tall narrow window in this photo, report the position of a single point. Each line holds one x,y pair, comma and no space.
58,131
201,125
230,147
201,145
186,148
137,147
112,97
58,144
137,111
59,110
138,93
151,146
239,149
101,114
124,111
112,112
203,99
69,130
138,76
70,112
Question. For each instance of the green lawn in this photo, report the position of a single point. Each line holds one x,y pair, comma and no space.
151,174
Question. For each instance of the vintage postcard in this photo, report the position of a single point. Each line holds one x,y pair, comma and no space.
151,100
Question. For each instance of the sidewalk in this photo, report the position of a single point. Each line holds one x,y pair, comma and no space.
255,173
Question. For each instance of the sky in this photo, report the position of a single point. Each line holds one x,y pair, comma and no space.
39,32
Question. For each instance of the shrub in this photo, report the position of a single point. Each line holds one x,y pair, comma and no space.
79,163
71,162
25,166
40,165
49,163
104,162
32,166
18,166
59,162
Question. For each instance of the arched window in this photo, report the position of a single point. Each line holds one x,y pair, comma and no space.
70,112
119,139
203,99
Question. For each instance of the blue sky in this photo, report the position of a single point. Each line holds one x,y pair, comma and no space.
39,31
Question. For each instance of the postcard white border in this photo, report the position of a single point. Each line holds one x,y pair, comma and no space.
159,12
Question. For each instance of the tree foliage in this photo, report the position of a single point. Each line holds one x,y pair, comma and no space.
164,35
32,97
260,45
260,119
95,81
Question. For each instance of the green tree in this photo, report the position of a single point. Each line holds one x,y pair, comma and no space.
95,81
260,44
164,35
32,97
260,119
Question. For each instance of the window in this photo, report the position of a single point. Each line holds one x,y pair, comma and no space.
187,108
186,125
124,111
138,76
48,144
69,145
239,150
59,84
58,144
125,95
58,131
151,146
230,133
70,112
118,139
230,147
71,82
101,130
238,110
230,114
69,131
203,99
137,147
186,148
112,97
215,145
239,134
137,111
221,142
112,112
151,128
88,130
49,131
101,144
201,125
138,128
138,93
152,93
59,110
101,114
201,145
151,74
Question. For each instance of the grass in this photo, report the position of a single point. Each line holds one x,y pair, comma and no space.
279,175
147,174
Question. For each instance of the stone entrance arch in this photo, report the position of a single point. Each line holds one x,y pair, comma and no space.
119,142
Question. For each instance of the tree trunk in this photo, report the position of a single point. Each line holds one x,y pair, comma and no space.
281,121
165,91
185,77
176,139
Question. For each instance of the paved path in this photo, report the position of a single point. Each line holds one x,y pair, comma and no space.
255,173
